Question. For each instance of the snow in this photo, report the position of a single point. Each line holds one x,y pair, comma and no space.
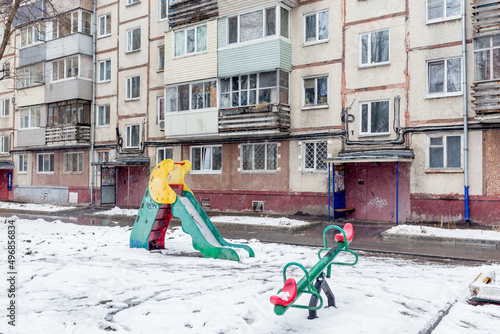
262,221
86,279
116,211
34,207
447,233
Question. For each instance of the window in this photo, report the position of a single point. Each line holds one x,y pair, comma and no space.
30,75
131,2
73,162
375,118
316,27
5,108
161,58
163,10
445,77
4,144
5,70
102,156
257,24
206,158
487,58
133,88
71,23
22,166
29,118
438,10
259,157
374,48
444,151
163,153
160,102
314,153
45,163
132,139
105,25
103,115
32,34
134,39
253,89
65,68
316,91
105,70
191,96
190,41
71,112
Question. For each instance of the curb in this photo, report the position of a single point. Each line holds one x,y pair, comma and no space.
447,240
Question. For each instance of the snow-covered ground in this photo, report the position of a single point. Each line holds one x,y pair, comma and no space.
86,279
34,207
442,232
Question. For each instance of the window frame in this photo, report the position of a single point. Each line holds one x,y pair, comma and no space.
5,144
164,150
315,169
190,102
429,94
70,16
444,145
369,63
490,51
317,40
32,112
129,88
31,29
161,59
185,53
107,116
166,4
369,133
107,18
443,17
259,171
80,163
128,134
160,113
202,170
23,164
44,155
107,64
5,107
65,71
316,105
278,31
130,40
132,2
25,81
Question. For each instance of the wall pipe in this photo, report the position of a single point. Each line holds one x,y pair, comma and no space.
397,192
92,115
466,122
329,186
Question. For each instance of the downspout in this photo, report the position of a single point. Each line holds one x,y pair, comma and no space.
466,122
92,114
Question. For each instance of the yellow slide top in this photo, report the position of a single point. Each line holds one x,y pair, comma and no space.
168,172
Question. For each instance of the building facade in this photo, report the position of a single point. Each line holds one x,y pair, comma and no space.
382,111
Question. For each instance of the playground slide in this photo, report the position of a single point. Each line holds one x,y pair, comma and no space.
206,238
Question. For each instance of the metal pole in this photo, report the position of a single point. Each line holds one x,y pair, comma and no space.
333,190
329,184
397,192
466,122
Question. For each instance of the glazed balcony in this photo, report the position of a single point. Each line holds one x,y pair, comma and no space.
260,119
67,135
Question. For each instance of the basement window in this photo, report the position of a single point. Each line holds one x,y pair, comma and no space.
257,206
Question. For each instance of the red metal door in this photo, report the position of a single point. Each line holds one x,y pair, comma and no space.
5,193
131,183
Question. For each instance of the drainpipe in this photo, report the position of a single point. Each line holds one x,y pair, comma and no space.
466,123
92,112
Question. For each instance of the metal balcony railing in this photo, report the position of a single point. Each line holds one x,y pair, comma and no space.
68,135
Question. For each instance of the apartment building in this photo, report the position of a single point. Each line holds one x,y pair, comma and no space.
330,107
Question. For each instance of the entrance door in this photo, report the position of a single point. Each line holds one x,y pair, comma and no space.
132,182
339,190
5,184
108,185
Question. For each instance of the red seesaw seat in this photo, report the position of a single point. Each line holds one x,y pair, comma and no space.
287,294
349,233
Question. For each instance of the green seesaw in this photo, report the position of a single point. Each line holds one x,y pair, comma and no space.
291,291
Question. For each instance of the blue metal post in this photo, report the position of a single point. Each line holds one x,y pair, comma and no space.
333,190
329,184
397,192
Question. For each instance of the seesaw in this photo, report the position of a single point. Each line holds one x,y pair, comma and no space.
291,291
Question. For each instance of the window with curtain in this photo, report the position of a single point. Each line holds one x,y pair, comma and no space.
206,158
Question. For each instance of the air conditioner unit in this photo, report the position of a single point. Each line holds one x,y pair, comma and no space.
14,100
162,125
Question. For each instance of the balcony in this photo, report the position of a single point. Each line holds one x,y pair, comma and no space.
192,11
485,16
68,135
486,101
76,43
262,119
